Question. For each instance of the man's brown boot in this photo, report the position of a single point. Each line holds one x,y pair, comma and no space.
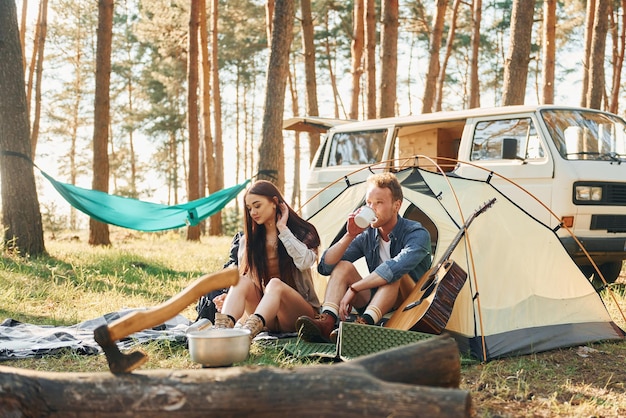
316,330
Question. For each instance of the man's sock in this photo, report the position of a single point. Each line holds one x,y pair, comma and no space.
331,309
373,314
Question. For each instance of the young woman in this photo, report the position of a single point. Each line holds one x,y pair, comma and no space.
275,255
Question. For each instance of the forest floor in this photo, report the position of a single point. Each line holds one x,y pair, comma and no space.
583,381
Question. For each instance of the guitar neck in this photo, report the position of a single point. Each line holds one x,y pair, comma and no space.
460,234
450,249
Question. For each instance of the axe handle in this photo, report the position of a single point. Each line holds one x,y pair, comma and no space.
140,320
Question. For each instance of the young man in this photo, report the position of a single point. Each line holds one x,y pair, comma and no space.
392,247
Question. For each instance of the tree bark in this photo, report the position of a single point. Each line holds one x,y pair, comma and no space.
474,99
441,77
389,59
589,19
23,32
193,187
436,36
216,220
295,191
619,45
595,90
370,58
271,151
210,168
330,63
41,42
382,384
549,50
21,218
518,57
310,78
356,48
98,231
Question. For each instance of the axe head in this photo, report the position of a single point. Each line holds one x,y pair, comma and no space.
118,361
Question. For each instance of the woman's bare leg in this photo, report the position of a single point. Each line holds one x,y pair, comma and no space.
243,297
281,305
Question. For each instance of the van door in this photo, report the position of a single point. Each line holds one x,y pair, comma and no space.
513,147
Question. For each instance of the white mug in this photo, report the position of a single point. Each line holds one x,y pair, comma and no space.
365,217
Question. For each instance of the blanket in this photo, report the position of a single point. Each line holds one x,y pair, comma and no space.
20,340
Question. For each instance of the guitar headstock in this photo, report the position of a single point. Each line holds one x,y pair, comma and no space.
486,206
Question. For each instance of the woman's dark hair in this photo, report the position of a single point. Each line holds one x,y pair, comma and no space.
255,260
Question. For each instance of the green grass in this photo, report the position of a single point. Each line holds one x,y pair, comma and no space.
77,282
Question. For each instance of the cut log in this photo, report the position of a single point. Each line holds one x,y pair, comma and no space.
389,383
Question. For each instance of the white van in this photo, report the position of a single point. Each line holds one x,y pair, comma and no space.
572,159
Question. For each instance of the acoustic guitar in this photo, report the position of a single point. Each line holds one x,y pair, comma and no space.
429,305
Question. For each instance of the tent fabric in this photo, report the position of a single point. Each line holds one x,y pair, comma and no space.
523,294
140,215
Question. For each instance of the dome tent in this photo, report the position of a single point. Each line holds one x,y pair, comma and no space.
523,292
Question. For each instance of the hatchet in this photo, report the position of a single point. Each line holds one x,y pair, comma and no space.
106,335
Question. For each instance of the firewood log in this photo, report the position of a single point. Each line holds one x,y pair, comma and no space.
390,383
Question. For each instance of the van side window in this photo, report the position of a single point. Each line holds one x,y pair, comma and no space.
506,139
353,148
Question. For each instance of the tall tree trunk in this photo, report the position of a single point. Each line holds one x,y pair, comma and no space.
193,187
389,61
271,151
269,20
356,48
207,173
330,54
238,124
518,57
436,35
618,31
595,91
98,231
75,116
295,191
173,168
23,32
441,77
474,99
308,47
216,220
589,19
549,50
33,62
21,218
41,42
370,58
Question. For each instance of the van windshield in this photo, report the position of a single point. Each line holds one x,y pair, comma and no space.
353,148
586,134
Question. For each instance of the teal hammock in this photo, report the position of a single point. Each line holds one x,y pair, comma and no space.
143,216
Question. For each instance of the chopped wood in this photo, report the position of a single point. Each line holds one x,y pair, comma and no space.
417,379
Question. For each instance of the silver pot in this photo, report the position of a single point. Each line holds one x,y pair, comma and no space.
215,347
